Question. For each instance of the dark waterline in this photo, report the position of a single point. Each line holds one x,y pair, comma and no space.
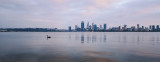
80,47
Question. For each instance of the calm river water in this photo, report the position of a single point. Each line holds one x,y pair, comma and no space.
79,47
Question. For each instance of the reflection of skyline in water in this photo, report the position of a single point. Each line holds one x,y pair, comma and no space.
105,38
92,38
82,38
88,38
137,39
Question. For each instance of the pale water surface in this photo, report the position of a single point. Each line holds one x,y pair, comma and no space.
79,47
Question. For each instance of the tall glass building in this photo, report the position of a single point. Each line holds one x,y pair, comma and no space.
82,25
105,26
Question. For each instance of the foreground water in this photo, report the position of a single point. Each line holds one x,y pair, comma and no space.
79,47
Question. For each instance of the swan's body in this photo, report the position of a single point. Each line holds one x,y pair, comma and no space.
48,36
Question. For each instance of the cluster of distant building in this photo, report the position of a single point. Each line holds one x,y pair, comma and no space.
89,28
92,27
103,28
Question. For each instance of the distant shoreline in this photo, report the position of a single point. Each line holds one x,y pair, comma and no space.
50,31
65,30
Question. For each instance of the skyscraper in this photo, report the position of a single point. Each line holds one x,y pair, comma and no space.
150,27
100,27
95,27
137,27
82,26
157,27
105,26
125,26
133,28
153,27
88,25
119,28
69,28
142,27
76,27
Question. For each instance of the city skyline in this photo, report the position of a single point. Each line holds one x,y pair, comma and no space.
104,27
63,13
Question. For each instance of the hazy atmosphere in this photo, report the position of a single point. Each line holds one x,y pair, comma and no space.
64,13
79,30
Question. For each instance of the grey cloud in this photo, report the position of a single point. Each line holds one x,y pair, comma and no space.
61,14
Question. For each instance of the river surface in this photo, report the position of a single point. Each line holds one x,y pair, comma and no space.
80,47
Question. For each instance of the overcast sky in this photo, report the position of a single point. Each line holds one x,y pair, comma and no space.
64,13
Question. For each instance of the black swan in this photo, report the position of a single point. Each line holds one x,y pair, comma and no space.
48,36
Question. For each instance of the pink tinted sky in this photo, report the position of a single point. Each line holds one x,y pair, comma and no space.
64,13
